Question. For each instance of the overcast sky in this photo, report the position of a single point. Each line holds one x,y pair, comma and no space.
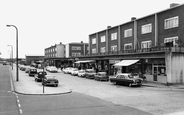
42,23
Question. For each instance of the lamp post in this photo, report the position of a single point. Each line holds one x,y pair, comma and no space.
17,71
11,54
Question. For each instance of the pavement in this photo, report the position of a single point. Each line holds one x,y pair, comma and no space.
27,86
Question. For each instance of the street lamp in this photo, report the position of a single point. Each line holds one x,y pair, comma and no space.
11,54
17,71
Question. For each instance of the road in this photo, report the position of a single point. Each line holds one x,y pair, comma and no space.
150,99
8,100
66,104
94,97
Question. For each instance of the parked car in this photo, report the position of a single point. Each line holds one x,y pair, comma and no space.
28,69
40,75
67,70
50,80
74,71
81,73
53,69
102,76
32,72
126,79
90,73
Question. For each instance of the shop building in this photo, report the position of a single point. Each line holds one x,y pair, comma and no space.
156,41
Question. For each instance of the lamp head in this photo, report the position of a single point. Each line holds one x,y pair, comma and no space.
8,25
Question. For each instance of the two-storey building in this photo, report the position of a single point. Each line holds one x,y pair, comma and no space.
155,41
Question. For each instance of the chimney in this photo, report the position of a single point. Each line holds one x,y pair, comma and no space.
81,41
133,18
108,27
60,42
173,5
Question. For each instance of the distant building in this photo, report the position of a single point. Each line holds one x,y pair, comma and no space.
33,58
76,49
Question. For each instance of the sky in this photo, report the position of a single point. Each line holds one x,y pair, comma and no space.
43,23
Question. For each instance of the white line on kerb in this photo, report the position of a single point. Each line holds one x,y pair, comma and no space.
19,105
20,111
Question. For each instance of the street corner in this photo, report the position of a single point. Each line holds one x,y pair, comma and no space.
42,91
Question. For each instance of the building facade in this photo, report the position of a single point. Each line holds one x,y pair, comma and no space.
156,40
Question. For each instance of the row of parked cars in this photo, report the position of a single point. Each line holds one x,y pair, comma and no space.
121,78
40,75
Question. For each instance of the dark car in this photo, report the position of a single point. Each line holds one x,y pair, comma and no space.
50,80
32,72
126,79
90,73
40,75
102,76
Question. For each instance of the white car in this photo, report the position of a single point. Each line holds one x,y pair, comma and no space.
81,73
66,70
52,69
74,71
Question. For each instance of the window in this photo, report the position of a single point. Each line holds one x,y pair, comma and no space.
128,46
172,22
145,44
102,38
171,39
94,41
146,28
102,49
113,36
76,54
114,48
128,33
76,48
94,50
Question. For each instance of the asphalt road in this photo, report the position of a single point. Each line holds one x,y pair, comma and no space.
150,99
67,104
8,100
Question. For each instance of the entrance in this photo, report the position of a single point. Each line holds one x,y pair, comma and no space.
158,70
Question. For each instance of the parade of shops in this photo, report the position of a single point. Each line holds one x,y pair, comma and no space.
154,46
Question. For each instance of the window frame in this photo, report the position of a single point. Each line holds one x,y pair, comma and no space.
102,51
128,44
114,47
169,39
128,33
114,36
171,22
147,44
94,41
102,39
147,28
94,49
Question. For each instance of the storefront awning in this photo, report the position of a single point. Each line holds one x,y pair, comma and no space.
126,62
86,61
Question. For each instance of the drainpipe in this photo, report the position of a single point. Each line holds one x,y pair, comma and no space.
156,30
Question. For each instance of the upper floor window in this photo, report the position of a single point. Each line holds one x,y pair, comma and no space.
146,28
128,33
76,48
172,40
114,48
102,39
102,49
172,22
94,41
94,50
146,44
113,36
128,46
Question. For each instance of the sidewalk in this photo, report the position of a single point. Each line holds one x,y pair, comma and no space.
26,85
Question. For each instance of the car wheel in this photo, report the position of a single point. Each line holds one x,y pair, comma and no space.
56,85
130,85
114,83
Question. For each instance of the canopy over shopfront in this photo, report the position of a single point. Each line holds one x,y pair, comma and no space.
126,62
86,61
